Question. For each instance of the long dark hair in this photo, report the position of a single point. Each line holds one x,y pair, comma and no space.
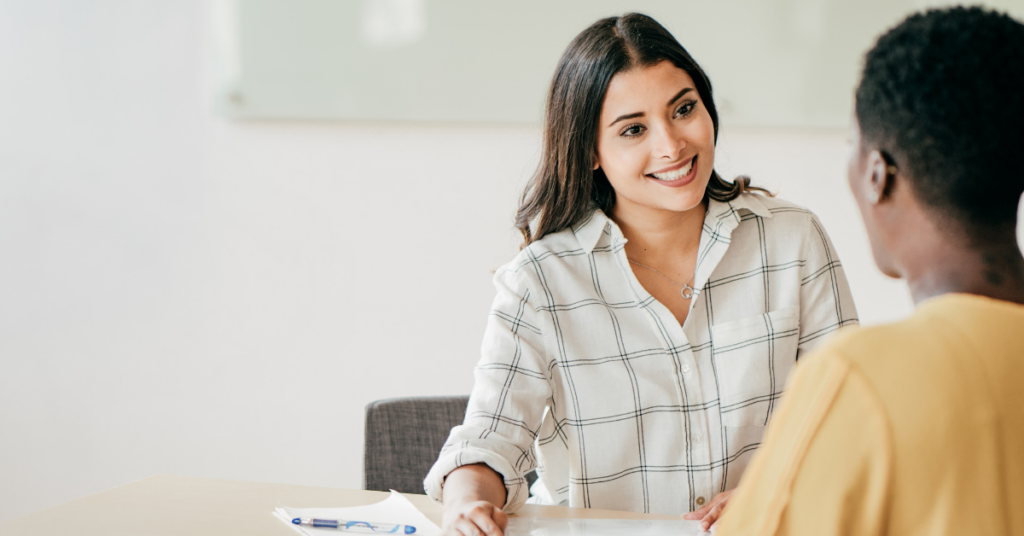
561,191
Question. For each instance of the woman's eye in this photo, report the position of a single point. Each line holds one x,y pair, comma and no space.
686,108
633,131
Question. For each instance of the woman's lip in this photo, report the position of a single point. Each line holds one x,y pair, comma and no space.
681,181
673,168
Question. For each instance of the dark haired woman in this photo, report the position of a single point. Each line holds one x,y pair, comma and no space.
641,339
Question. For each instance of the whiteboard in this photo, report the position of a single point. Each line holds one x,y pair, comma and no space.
773,63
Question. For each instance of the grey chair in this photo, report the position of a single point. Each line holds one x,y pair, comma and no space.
404,437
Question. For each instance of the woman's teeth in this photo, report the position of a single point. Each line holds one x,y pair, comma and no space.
675,175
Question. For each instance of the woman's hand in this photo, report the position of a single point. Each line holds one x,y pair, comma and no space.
471,496
711,511
473,518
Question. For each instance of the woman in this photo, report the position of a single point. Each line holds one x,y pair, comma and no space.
643,335
917,427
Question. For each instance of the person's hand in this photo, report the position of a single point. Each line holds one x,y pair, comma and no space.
473,518
711,511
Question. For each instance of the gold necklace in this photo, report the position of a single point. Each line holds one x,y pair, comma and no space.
686,292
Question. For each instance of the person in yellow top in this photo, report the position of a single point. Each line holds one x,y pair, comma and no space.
917,427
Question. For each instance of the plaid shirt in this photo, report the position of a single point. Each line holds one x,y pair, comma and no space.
588,378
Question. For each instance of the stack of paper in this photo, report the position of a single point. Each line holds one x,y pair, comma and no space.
395,510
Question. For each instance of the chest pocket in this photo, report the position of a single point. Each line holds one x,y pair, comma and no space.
753,357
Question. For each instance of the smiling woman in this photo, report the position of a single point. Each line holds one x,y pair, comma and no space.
641,339
569,179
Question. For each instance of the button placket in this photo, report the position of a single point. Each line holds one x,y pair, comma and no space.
698,445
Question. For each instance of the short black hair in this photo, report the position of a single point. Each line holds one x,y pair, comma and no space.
942,96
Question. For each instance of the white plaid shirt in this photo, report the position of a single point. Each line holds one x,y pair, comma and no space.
587,377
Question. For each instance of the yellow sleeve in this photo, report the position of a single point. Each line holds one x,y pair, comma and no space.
824,466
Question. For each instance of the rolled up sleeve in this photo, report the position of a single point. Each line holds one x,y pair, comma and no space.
512,388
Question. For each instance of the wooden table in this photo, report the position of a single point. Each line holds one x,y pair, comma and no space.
179,505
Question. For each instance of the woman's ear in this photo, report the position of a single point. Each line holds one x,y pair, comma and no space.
597,162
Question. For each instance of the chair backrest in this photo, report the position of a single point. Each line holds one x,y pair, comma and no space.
404,437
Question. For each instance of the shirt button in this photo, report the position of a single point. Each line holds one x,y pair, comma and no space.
700,501
696,438
686,368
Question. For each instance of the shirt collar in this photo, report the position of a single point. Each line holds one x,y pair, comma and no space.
718,210
588,232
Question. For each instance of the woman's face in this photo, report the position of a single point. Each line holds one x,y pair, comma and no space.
656,141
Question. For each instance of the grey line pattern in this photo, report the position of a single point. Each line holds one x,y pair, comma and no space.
584,376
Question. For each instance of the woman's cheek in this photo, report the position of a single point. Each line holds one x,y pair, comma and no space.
625,166
637,161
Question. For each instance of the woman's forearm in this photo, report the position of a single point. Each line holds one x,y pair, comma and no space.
474,483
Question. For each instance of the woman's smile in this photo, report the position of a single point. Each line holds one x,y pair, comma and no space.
678,175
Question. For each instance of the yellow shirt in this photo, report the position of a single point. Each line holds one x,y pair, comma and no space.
912,428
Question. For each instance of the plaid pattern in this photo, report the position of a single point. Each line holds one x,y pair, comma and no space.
588,378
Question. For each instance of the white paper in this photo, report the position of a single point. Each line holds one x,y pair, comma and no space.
534,526
395,510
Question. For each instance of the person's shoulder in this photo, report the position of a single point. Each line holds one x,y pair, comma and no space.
779,210
774,204
555,245
864,345
778,216
890,356
786,211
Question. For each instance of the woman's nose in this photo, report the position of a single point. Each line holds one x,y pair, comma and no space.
668,142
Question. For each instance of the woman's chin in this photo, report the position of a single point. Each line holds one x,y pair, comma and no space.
690,205
681,199
679,204
656,198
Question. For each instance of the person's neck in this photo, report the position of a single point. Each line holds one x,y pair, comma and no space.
939,261
659,236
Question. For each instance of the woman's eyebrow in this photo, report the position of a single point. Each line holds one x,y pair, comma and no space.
627,116
680,94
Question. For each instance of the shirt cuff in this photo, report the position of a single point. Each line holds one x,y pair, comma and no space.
516,490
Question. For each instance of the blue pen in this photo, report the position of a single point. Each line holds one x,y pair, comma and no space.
354,526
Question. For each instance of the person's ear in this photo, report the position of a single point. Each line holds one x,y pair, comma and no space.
882,174
597,162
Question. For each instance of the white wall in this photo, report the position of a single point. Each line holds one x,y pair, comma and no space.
180,294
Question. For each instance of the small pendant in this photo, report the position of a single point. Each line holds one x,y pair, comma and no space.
687,292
